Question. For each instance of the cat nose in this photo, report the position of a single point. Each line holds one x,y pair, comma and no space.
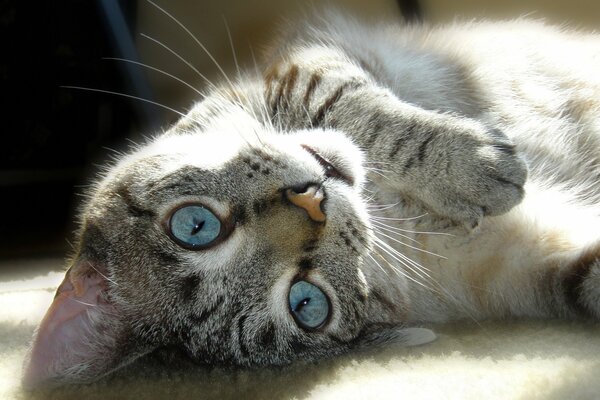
309,197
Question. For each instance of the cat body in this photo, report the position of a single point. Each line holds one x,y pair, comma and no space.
392,176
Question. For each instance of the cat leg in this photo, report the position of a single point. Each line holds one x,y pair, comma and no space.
456,167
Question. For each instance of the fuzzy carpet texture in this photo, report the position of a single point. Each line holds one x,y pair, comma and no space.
492,360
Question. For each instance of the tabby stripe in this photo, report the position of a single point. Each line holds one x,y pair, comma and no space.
132,206
267,335
270,78
572,283
189,288
286,85
205,314
315,79
240,336
423,147
328,105
409,163
375,125
408,132
384,301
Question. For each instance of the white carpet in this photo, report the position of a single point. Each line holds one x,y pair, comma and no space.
509,360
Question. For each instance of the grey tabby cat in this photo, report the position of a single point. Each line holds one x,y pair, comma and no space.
371,180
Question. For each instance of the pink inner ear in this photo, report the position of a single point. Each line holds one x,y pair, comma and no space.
63,340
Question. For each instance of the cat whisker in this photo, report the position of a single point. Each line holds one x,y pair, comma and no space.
420,270
412,247
416,265
209,54
186,62
376,263
400,219
394,228
102,275
159,71
198,42
399,271
378,162
263,106
377,227
235,61
129,96
377,172
381,207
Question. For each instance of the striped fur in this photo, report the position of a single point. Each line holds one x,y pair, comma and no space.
465,186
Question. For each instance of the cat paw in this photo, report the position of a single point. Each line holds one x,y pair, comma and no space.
476,173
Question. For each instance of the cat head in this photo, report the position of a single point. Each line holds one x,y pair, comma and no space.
238,243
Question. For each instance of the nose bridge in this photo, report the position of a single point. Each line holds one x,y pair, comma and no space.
309,198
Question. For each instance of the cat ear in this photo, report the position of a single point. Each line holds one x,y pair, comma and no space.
382,334
82,336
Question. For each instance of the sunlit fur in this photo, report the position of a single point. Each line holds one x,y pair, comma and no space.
441,228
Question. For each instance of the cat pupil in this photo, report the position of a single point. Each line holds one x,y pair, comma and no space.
302,304
197,228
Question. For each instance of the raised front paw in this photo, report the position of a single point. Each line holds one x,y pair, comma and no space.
470,172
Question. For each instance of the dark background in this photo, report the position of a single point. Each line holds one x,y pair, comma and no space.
52,136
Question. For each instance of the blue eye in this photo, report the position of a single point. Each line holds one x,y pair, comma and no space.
194,226
308,304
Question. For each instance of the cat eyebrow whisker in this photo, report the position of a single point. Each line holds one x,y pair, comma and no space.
157,70
235,61
198,42
130,96
263,106
208,53
186,62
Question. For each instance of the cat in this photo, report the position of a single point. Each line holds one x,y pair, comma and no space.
372,179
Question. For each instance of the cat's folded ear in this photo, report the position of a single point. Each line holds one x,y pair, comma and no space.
383,334
82,336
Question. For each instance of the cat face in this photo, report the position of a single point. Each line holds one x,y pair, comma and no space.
237,243
208,249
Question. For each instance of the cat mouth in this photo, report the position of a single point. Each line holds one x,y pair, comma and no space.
330,170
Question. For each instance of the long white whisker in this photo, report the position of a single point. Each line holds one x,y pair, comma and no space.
400,271
186,62
376,263
198,42
394,228
416,265
400,219
381,207
410,246
235,61
128,96
378,227
157,70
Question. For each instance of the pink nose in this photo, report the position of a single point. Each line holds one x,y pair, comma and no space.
309,199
